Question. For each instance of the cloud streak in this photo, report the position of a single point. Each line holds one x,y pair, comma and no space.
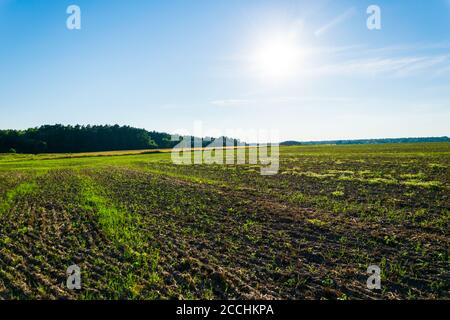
398,66
336,21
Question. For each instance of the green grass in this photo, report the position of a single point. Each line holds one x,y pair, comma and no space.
11,195
123,229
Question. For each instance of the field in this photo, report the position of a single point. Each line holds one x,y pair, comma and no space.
140,227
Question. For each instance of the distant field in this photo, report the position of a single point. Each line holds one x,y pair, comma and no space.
140,227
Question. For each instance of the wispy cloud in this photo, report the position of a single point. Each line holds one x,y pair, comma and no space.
365,50
427,64
393,66
416,47
336,21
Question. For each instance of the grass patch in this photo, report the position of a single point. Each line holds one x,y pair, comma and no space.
125,232
422,184
21,190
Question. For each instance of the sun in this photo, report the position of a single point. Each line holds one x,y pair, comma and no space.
277,57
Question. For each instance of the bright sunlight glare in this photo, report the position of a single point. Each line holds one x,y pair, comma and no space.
277,58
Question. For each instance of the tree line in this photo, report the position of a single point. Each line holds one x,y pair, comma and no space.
72,139
368,141
60,139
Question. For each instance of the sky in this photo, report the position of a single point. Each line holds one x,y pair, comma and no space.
310,70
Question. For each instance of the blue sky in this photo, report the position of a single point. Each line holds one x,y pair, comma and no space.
309,69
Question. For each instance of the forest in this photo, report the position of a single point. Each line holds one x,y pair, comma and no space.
60,139
93,138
